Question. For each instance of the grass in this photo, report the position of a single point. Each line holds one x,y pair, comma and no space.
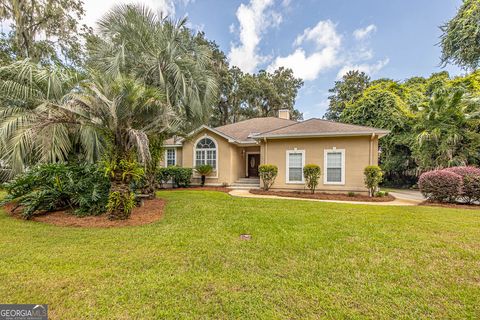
306,260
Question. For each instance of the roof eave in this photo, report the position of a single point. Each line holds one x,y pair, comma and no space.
322,135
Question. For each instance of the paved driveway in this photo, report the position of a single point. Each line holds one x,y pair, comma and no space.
407,194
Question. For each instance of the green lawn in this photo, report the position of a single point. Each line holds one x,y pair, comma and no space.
306,260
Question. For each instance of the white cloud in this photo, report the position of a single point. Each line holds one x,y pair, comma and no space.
364,33
95,9
324,34
325,56
369,69
254,18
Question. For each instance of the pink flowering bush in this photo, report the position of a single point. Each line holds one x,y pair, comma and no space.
471,182
441,185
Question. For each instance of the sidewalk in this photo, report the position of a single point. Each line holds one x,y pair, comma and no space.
399,201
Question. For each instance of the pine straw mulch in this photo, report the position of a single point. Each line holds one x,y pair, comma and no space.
323,196
150,211
429,203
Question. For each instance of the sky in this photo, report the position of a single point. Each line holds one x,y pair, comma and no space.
319,40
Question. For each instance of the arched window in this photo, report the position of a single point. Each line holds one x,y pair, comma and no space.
206,152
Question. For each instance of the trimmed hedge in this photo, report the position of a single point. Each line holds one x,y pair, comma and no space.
471,182
181,177
268,173
373,175
441,185
312,173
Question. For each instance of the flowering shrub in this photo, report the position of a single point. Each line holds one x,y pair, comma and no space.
471,182
441,185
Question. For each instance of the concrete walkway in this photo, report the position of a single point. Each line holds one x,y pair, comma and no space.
399,201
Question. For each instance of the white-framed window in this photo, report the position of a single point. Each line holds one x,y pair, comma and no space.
170,157
206,152
295,162
334,164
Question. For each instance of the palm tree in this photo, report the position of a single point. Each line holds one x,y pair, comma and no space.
134,40
104,117
445,135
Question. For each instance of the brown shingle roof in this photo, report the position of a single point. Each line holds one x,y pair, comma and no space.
320,127
243,130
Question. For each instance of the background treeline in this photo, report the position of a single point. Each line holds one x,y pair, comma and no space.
434,122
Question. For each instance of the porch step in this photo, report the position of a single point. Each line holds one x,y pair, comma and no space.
246,183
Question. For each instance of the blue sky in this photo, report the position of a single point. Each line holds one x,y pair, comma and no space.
319,39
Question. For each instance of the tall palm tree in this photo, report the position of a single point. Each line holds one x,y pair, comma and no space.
134,40
112,117
445,130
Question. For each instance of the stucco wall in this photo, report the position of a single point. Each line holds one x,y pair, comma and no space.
359,152
224,155
179,154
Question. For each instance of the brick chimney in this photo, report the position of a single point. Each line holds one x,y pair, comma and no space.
284,114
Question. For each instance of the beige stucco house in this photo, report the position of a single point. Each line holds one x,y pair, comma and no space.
236,150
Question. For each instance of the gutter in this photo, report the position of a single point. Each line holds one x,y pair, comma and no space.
322,135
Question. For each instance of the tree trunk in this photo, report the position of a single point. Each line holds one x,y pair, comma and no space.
120,186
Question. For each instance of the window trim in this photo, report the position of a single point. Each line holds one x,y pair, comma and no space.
215,170
287,166
325,153
166,156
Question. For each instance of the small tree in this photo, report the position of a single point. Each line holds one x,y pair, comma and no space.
312,173
373,177
268,173
204,170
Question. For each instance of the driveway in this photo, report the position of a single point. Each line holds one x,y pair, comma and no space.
407,194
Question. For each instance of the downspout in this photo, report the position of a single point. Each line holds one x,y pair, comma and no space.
371,149
266,150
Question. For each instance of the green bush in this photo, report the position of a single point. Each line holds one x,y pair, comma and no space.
381,194
373,175
311,173
268,173
351,194
204,170
50,187
181,177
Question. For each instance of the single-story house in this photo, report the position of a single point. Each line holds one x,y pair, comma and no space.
236,150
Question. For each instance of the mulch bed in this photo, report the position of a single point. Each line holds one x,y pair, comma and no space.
450,205
324,196
151,211
198,188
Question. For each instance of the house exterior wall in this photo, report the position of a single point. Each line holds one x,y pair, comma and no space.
224,173
359,152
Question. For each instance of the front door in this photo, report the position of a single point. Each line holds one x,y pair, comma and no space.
253,160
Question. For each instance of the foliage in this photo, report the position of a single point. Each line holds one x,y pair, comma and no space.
381,194
162,175
268,173
460,40
164,54
204,170
44,31
129,170
373,176
50,187
346,91
440,185
471,182
446,134
116,200
312,173
180,176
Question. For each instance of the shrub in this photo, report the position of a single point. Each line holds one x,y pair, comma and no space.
204,170
311,172
268,173
51,187
162,176
440,185
181,176
471,182
351,194
373,175
381,194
